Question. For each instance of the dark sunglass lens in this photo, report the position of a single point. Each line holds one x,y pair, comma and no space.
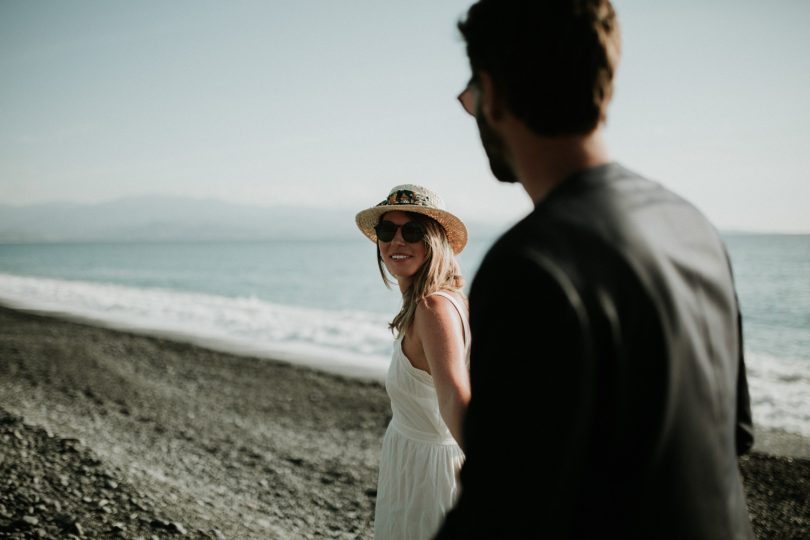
385,231
412,232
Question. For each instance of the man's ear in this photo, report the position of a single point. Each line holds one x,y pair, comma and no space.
492,105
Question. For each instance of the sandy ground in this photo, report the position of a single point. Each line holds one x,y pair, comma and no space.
108,434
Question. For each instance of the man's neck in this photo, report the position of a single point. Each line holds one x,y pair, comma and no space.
542,163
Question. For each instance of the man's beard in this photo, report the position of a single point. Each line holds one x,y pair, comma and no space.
495,150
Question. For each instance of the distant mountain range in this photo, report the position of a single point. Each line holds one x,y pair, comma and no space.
162,218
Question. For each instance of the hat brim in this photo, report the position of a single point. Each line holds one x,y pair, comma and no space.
453,226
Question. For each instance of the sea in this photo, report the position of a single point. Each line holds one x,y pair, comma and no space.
324,304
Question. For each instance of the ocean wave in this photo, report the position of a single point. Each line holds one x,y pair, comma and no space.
346,341
780,392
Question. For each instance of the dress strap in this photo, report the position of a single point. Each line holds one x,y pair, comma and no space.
462,312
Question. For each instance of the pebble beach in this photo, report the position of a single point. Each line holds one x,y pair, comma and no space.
111,434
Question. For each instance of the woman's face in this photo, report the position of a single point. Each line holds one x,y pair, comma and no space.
402,259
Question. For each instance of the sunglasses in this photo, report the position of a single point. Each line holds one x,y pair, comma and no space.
411,232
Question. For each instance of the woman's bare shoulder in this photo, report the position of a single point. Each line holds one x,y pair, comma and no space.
435,300
437,309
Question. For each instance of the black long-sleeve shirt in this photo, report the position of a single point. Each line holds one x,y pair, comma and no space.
605,329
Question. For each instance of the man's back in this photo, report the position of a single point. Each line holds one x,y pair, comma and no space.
627,369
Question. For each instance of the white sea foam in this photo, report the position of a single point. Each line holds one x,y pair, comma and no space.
780,392
349,342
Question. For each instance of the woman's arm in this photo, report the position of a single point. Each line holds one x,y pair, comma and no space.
438,326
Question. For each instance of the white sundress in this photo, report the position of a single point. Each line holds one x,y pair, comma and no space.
420,459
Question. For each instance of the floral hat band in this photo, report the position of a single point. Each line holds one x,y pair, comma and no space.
420,200
406,196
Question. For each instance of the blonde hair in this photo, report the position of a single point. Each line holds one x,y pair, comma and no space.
440,271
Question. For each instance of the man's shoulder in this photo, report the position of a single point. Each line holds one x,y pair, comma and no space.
552,233
605,198
605,223
525,267
613,209
528,247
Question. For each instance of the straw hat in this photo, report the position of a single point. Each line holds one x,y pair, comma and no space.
418,199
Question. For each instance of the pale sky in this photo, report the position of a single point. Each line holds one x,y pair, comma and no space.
330,104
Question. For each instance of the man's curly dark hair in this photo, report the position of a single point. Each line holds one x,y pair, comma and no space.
553,61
